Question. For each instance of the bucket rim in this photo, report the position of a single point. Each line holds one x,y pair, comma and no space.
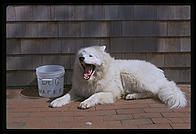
40,72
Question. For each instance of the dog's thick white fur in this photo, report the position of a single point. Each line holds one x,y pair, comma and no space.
98,78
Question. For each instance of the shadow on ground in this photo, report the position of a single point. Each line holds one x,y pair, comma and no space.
33,93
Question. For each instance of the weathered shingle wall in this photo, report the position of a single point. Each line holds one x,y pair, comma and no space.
39,35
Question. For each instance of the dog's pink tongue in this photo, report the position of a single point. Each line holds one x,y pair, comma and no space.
87,72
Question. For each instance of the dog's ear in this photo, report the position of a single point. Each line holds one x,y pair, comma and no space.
103,48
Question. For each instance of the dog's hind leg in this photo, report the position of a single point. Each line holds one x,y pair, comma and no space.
138,95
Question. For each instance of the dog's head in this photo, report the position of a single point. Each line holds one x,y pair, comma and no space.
90,59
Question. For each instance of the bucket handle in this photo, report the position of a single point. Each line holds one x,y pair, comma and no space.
46,81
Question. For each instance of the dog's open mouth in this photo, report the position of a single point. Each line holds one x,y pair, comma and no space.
89,69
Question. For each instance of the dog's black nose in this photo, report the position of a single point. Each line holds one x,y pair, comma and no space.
81,59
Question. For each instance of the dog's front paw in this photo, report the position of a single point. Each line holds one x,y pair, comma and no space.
59,102
86,104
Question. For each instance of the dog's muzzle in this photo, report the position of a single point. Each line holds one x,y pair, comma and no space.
89,69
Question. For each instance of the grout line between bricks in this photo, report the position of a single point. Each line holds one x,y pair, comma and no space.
132,117
95,108
152,122
116,111
169,120
144,110
121,123
171,125
161,115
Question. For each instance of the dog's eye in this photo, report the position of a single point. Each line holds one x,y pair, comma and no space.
90,56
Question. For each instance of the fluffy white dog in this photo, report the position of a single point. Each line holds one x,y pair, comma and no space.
98,78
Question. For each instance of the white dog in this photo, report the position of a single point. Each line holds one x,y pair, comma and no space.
98,78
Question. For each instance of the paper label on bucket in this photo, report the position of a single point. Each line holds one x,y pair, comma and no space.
46,81
51,93
51,87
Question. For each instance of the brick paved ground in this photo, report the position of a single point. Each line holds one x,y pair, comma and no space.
33,112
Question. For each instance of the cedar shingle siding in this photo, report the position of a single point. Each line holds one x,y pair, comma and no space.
51,34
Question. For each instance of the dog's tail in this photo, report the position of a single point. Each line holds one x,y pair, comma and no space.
172,95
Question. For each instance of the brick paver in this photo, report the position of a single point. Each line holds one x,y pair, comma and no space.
33,112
